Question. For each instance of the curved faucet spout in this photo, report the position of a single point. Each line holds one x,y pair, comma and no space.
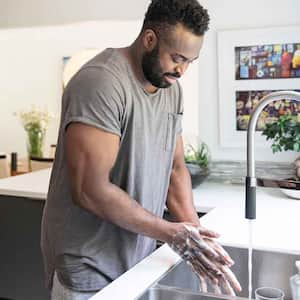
250,178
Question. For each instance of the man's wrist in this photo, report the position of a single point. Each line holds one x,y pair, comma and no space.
169,230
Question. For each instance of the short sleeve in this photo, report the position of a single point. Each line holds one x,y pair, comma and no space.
94,97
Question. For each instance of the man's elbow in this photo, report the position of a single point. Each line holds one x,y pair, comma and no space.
91,199
178,170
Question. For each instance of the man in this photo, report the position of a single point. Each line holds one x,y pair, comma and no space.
119,161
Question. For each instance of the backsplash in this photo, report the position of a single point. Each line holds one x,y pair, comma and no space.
235,171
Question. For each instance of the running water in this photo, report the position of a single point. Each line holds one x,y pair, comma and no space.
250,259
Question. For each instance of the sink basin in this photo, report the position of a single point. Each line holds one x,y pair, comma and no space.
269,269
163,292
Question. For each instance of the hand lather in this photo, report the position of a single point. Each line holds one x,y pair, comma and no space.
207,259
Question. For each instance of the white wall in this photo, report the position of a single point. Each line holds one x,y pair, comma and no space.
227,15
23,82
25,13
31,72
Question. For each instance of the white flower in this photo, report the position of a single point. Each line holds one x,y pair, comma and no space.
35,118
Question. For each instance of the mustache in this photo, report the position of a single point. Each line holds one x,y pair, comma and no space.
177,75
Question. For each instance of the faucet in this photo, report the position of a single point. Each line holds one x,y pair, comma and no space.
251,181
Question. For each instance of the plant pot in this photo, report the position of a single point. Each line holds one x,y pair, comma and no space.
197,173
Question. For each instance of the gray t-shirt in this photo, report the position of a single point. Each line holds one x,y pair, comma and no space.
88,253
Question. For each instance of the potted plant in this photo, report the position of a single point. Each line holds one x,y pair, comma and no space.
197,161
285,134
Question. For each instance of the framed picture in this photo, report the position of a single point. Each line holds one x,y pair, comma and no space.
251,64
267,61
246,101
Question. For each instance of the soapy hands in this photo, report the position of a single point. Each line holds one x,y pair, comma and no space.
206,257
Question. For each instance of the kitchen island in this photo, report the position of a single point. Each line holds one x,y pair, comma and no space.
276,227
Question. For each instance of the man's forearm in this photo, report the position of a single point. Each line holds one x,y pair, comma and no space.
110,203
91,154
180,197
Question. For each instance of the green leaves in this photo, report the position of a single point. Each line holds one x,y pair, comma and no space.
199,155
285,133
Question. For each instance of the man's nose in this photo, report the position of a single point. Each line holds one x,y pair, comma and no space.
181,68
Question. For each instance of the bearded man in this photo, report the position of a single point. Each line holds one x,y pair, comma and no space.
119,161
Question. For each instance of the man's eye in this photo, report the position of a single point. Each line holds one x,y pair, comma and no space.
176,60
181,60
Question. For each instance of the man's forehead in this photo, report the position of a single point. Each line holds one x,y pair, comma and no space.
182,41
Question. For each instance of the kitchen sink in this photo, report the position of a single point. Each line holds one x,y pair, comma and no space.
269,269
163,292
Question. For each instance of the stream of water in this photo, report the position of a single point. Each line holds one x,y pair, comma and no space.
250,245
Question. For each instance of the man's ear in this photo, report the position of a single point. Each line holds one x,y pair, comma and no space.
149,39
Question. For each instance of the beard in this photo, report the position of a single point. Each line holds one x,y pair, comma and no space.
153,71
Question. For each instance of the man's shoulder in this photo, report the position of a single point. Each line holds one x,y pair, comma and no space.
107,63
101,72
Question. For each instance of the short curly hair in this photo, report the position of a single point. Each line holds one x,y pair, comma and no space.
189,13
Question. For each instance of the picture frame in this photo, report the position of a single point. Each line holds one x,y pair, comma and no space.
228,85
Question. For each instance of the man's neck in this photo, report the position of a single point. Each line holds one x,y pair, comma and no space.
134,56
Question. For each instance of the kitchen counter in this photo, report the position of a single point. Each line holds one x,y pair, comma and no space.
32,185
275,229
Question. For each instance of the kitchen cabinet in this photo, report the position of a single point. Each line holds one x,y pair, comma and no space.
21,267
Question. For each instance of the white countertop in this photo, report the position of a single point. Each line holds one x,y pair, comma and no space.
276,227
31,185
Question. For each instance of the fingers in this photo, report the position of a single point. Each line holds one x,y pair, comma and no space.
206,257
217,290
217,273
201,275
207,232
219,249
230,277
199,268
201,246
208,265
203,284
219,276
205,275
227,287
224,257
198,243
209,246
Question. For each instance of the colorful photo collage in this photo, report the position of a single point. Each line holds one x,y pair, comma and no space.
267,61
246,101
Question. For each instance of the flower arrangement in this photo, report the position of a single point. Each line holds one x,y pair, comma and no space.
35,122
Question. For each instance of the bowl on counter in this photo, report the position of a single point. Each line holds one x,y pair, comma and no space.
198,174
295,194
289,186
